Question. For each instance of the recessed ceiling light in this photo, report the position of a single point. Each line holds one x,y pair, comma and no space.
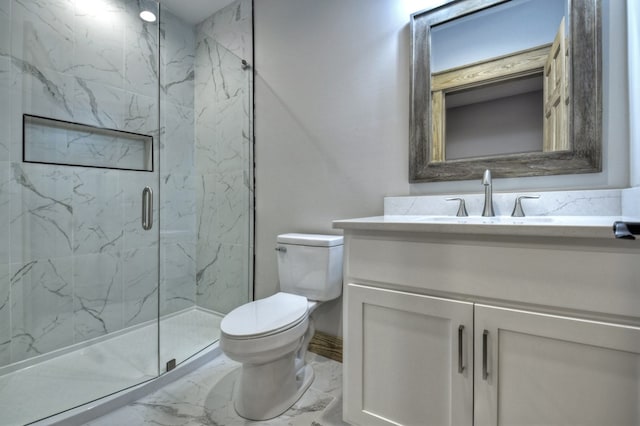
147,16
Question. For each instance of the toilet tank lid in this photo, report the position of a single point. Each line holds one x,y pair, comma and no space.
316,240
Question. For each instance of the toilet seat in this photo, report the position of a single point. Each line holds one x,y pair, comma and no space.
265,317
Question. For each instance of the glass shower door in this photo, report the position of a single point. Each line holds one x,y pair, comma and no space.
206,176
79,143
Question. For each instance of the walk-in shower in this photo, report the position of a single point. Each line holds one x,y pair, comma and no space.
125,194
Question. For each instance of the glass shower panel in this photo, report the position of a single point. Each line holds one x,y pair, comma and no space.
206,176
78,273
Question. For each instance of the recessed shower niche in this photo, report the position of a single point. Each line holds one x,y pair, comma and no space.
51,141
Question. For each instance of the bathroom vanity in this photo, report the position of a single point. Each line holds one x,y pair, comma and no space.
486,321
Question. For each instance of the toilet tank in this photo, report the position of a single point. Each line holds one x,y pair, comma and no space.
310,265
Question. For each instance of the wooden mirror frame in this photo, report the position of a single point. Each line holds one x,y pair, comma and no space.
584,115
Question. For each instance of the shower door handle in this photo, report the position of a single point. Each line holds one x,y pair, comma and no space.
147,208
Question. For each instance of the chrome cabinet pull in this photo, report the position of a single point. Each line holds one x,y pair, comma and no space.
460,361
147,208
485,372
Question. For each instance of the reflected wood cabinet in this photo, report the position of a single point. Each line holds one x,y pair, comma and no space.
429,343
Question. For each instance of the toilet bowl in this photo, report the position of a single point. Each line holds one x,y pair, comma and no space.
270,336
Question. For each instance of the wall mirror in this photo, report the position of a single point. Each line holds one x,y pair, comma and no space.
508,85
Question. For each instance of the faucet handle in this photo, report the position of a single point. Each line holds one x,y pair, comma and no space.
462,209
517,208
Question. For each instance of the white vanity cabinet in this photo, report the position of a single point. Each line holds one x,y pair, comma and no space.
412,359
550,330
538,369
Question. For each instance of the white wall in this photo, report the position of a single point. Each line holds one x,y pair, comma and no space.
332,118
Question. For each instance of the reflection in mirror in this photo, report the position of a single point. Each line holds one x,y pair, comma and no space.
492,88
495,119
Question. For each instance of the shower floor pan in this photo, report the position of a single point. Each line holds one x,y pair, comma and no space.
104,368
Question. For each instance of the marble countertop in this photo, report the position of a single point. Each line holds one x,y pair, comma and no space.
533,226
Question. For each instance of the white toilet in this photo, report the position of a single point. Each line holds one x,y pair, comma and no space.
270,336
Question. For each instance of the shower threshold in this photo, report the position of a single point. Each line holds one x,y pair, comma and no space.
87,374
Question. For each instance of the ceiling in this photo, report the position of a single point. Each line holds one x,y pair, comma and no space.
194,11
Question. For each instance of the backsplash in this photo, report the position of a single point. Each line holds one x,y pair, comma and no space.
607,202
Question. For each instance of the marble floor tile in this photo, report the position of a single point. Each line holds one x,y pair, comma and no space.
204,398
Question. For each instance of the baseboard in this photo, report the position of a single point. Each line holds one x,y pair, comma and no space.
326,345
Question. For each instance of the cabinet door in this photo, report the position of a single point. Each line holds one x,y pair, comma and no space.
538,369
402,364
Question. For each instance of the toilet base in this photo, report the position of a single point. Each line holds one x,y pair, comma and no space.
265,391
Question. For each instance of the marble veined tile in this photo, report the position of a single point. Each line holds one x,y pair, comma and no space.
178,142
43,92
42,33
231,26
218,72
178,56
99,60
551,203
222,208
178,207
205,397
232,210
98,104
47,144
5,121
5,314
140,285
5,29
97,301
41,212
222,276
98,212
206,208
141,55
630,201
41,307
5,73
5,212
100,22
140,114
5,8
232,135
178,276
206,149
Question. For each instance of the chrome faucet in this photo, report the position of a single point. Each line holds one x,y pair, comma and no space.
488,196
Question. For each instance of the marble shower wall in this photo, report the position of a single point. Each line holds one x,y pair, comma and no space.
177,169
75,263
224,181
